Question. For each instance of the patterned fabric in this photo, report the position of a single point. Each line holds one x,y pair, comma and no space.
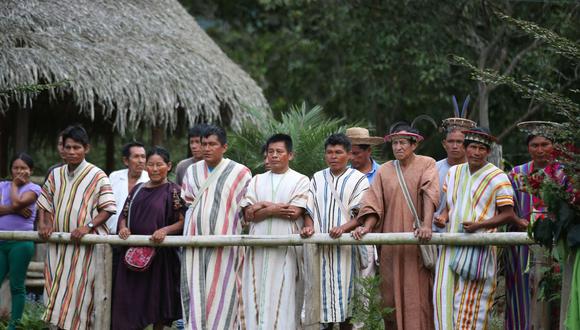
339,264
516,259
278,304
209,285
73,199
461,303
520,280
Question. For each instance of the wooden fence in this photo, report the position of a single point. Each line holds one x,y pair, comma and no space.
312,290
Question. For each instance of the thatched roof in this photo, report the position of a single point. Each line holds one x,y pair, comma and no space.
134,60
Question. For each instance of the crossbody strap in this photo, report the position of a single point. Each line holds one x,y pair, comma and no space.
408,199
336,197
131,203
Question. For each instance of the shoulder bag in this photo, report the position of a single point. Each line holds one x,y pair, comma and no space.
138,258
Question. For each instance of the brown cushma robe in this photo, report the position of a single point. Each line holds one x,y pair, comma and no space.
406,284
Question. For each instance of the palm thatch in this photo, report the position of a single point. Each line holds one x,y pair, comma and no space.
133,61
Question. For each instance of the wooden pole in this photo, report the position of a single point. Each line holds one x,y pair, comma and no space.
311,271
22,124
497,239
103,287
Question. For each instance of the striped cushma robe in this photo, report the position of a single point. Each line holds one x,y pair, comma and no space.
73,199
272,283
461,303
209,282
339,264
521,285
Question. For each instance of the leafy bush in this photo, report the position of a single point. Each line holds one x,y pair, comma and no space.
368,305
31,318
308,129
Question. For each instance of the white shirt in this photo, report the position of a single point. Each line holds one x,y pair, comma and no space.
120,184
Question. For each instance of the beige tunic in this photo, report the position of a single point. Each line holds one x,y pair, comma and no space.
405,283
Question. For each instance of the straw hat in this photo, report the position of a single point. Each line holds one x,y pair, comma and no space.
403,135
547,129
479,137
359,135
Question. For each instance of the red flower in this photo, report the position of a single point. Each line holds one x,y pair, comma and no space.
535,181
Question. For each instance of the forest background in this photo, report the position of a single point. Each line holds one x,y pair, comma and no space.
378,62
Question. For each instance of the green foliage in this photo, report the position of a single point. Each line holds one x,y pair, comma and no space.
34,88
367,302
308,129
381,62
549,288
558,43
31,318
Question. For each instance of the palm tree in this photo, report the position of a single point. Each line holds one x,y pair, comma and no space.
308,129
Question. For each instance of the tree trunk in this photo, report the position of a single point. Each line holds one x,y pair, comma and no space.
21,136
483,103
110,152
157,136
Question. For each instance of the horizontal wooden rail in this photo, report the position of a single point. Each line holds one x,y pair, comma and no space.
499,239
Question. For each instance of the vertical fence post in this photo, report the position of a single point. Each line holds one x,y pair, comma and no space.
103,286
311,287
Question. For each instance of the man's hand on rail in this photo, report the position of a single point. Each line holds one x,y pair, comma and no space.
359,232
44,232
521,224
306,231
78,233
336,232
423,233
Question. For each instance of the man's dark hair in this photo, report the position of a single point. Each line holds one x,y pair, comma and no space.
364,146
484,130
126,151
452,129
197,130
338,139
530,137
403,126
23,157
217,131
263,149
280,138
162,152
77,133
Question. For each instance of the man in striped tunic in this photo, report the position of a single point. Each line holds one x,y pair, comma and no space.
213,189
77,198
272,283
524,309
479,199
333,200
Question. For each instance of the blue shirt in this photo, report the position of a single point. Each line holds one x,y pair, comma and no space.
371,174
442,167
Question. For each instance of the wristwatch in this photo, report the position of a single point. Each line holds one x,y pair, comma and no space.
91,225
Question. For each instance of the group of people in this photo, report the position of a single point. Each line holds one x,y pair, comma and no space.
263,287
